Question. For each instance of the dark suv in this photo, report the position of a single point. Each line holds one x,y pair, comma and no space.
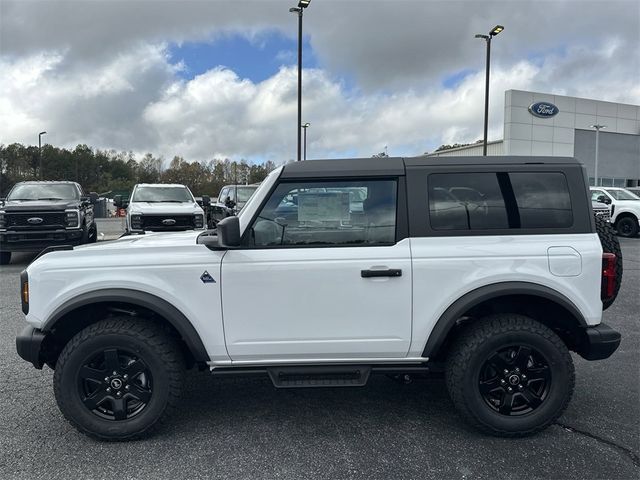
36,215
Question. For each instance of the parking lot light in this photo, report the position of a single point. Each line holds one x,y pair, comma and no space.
598,127
302,4
487,38
40,151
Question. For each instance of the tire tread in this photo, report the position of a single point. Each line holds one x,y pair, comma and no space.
144,330
471,339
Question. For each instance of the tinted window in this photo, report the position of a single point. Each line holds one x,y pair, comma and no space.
466,201
543,200
328,213
490,201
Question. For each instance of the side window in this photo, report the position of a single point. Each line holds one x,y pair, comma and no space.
223,195
466,201
328,213
543,199
493,201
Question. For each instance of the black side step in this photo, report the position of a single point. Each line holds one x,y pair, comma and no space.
320,376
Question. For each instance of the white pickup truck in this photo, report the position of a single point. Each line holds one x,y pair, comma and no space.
161,207
624,208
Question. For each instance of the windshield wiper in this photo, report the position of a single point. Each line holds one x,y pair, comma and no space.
20,199
50,198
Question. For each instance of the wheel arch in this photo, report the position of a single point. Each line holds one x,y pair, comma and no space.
88,308
542,303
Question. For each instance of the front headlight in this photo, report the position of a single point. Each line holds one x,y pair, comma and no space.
136,222
72,218
198,220
3,220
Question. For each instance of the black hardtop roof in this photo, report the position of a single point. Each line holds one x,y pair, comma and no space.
391,166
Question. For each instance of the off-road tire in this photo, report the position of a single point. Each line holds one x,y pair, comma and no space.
5,258
152,344
627,226
610,244
93,233
475,345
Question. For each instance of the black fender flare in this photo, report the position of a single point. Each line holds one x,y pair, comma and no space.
448,319
141,299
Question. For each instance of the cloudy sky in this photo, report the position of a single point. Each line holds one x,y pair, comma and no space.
215,78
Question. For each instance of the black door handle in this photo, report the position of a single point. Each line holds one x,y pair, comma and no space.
390,272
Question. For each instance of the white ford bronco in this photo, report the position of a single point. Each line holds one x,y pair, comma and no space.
333,271
162,207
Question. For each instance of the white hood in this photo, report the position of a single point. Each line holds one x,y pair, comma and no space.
164,208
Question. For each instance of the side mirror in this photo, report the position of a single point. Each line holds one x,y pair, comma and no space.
206,200
229,232
603,199
117,201
93,197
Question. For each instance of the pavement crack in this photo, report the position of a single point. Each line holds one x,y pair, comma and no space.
625,450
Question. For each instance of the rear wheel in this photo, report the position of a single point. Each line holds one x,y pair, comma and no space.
509,375
627,226
610,244
116,379
5,258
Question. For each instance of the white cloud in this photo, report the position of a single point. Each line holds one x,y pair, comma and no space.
113,86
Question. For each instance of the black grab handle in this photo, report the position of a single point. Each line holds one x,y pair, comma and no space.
390,272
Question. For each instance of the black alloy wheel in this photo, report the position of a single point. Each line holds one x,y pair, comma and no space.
119,378
627,227
509,375
515,380
115,384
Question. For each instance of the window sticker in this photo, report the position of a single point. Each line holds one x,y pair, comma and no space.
323,207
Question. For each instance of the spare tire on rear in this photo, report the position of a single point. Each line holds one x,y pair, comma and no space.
610,244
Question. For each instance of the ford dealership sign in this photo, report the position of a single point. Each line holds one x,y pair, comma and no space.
543,109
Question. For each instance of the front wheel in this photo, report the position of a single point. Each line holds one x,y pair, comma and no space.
627,227
509,375
116,379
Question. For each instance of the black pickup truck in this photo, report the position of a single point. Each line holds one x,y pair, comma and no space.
36,215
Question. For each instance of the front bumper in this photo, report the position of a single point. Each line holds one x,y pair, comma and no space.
29,345
599,342
34,241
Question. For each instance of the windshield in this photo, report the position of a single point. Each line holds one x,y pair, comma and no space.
622,195
42,191
162,194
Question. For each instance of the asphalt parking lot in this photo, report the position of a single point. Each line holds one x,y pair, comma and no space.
244,428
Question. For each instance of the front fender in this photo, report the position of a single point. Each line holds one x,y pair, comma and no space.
141,299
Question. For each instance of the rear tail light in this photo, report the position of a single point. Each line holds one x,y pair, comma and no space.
608,289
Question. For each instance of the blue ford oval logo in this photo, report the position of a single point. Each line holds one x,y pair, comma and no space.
543,109
34,220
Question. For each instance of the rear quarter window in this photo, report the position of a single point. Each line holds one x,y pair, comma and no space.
487,201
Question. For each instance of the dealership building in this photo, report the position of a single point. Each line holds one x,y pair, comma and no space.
546,124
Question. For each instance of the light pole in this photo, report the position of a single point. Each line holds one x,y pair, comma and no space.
597,126
494,31
302,4
40,151
305,126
